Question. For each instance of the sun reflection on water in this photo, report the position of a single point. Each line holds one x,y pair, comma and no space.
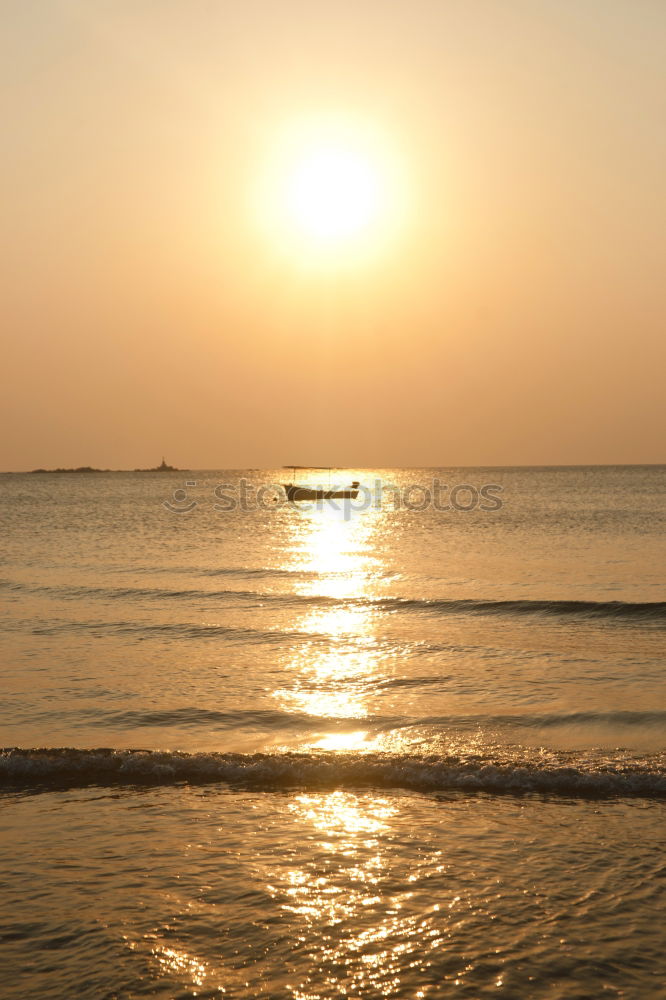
332,682
362,913
176,963
343,813
336,549
348,897
353,856
333,672
346,742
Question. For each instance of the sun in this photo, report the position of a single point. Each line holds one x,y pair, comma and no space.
333,192
330,192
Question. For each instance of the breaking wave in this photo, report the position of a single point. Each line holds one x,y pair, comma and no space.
500,773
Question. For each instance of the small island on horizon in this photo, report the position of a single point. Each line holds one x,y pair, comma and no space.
163,467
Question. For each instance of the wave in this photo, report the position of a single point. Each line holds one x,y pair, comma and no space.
261,572
47,769
609,610
177,630
618,611
270,719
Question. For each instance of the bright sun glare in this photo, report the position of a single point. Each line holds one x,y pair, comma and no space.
329,191
333,193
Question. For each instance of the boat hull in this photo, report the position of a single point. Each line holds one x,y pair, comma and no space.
307,493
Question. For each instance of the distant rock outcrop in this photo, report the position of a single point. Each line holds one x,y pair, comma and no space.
81,468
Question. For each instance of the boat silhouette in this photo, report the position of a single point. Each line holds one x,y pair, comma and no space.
295,491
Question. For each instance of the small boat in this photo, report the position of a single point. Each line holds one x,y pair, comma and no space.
295,492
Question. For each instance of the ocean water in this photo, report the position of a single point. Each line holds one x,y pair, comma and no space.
373,748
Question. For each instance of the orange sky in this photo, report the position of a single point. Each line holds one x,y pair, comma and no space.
512,311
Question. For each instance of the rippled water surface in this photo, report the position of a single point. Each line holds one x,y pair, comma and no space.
298,751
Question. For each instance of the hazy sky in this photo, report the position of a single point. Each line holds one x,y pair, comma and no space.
506,305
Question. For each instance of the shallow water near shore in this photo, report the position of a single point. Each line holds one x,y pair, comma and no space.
300,751
208,891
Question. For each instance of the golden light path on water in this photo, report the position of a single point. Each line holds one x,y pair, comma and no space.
352,904
337,550
349,885
346,892
338,556
337,547
350,901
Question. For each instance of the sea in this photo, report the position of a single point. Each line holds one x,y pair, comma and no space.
407,744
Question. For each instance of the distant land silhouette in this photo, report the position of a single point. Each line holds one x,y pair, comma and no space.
88,468
81,468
